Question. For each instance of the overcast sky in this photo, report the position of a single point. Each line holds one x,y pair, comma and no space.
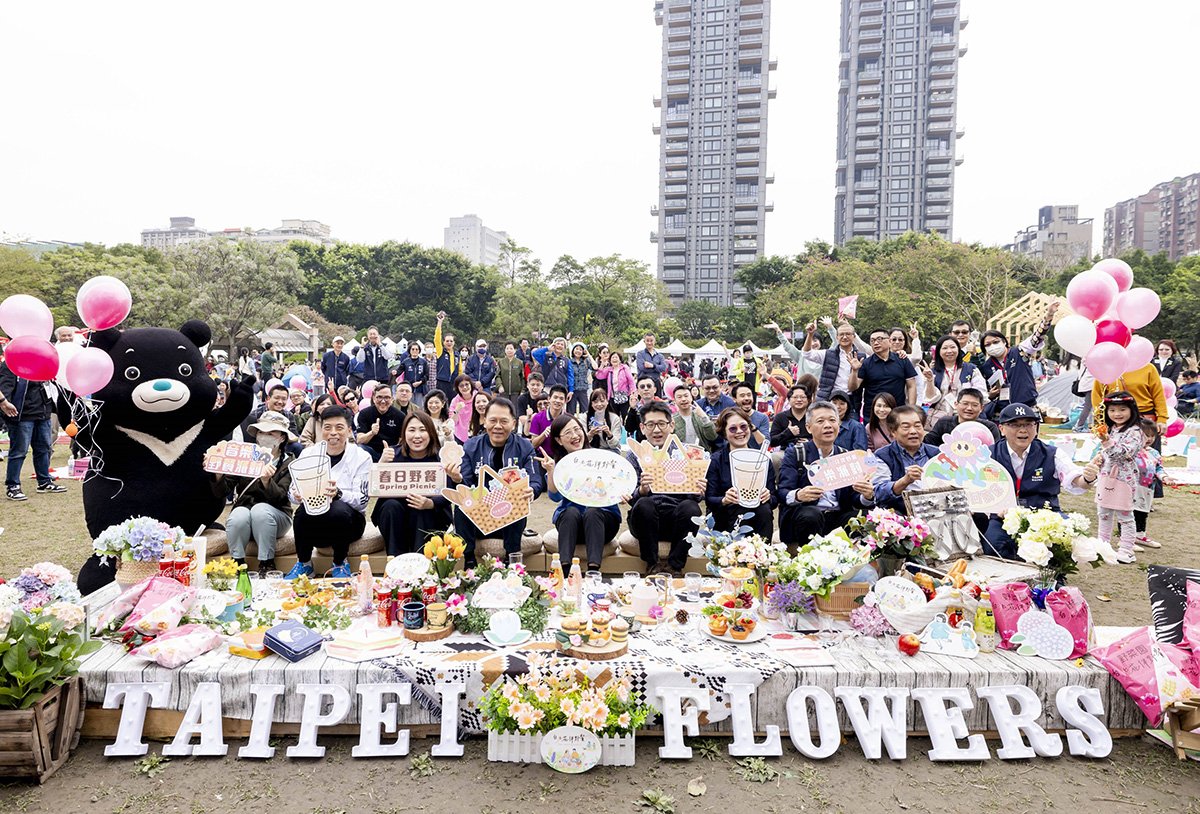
385,119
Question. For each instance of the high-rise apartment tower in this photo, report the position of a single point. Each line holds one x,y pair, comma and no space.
897,130
712,144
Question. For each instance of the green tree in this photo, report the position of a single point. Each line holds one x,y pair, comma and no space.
516,263
22,273
527,311
608,296
241,286
698,319
158,296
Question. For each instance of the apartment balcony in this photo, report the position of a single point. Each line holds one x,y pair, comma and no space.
747,40
870,77
656,101
679,46
839,190
962,22
772,64
841,163
942,84
750,170
676,148
943,14
745,230
937,196
843,83
960,132
749,113
868,48
870,21
749,99
749,81
870,34
679,17
679,60
747,143
937,183
867,117
941,224
677,160
934,168
748,245
941,57
867,8
677,115
866,131
675,175
867,158
942,111
932,155
746,215
679,93
673,230
749,127
867,103
943,69
656,129
942,42
959,160
746,158
772,93
679,32
769,206
944,3
742,259
867,146
937,210
674,261
866,185
654,214
750,10
870,212
962,52
675,204
675,189
653,236
678,76
940,127
769,179
751,53
752,25
866,198
745,200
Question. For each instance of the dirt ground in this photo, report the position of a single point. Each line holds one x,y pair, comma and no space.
1138,776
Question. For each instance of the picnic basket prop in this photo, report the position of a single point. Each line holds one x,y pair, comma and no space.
676,469
502,502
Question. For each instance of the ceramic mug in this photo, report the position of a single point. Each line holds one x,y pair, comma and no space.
414,615
438,615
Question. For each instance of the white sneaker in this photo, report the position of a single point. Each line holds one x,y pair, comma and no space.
1125,557
1137,549
1148,543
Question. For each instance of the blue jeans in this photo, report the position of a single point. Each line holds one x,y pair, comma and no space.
263,522
21,434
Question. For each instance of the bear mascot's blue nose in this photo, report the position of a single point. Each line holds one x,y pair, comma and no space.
162,384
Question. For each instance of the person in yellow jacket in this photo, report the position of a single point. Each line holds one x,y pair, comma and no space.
449,366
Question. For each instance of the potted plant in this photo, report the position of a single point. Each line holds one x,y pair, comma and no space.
1057,545
137,546
42,637
518,713
222,576
444,551
788,600
822,567
893,538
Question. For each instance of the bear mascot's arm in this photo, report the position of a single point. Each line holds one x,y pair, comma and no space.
237,407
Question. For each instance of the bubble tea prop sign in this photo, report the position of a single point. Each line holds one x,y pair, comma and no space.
748,470
310,477
595,477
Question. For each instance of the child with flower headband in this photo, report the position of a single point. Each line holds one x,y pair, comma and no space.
1119,476
1150,468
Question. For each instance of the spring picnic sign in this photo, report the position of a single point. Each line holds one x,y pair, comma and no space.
404,479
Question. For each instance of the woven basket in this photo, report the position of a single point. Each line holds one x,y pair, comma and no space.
845,598
134,571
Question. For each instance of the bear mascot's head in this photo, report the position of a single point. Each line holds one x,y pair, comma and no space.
152,425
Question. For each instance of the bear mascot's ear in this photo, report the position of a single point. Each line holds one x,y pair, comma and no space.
198,331
104,340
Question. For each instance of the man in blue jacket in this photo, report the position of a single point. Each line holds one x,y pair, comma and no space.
335,365
900,465
374,357
650,362
556,365
804,509
498,447
481,368
415,370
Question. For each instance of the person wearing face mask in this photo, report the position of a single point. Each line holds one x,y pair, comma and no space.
1008,371
481,368
596,527
405,522
261,509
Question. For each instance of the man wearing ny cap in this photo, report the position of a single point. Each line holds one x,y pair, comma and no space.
1039,471
335,365
481,368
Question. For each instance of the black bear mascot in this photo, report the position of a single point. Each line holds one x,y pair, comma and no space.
153,423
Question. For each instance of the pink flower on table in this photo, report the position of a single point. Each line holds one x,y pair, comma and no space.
624,720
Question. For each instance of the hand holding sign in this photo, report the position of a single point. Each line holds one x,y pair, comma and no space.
838,471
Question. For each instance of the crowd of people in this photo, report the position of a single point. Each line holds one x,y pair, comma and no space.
531,406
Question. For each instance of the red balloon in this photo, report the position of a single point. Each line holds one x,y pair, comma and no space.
1112,330
32,357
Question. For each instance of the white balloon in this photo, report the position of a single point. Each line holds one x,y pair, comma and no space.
1075,334
66,352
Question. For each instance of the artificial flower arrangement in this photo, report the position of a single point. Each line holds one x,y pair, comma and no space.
825,562
223,573
790,597
139,539
41,634
443,552
554,694
740,548
1056,544
887,533
458,588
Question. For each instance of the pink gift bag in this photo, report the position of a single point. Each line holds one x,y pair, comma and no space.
1009,601
1191,618
1069,609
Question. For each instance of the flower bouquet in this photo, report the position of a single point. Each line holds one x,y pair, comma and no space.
727,552
893,538
518,711
40,585
789,601
223,573
823,565
444,551
459,587
137,546
1057,545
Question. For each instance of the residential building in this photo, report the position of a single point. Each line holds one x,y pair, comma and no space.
1060,237
712,144
181,230
470,238
1161,220
897,118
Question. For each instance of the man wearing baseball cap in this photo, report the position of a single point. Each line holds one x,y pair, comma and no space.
1039,471
481,367
335,365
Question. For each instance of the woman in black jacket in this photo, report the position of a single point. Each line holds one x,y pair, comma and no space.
733,424
1168,361
405,522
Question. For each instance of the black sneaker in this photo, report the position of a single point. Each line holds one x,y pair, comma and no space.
265,567
16,494
50,488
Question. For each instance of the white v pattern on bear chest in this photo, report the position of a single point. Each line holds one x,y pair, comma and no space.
166,451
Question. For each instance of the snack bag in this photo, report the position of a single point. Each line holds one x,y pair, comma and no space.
1191,618
179,646
158,590
1009,601
1187,661
120,607
166,615
1150,678
1069,609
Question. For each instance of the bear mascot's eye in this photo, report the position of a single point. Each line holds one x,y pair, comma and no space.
133,374
185,369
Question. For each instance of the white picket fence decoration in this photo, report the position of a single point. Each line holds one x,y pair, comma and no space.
513,747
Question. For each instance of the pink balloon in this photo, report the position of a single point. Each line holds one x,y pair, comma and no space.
1109,330
89,371
1119,270
1138,307
1090,293
1169,388
25,315
1172,401
1107,361
103,302
1174,428
368,390
32,357
1140,351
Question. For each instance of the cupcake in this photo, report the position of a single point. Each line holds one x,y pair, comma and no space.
600,621
738,632
620,630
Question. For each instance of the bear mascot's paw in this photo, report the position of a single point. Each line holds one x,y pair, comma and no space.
154,421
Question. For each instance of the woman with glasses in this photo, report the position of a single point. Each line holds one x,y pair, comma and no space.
722,497
596,527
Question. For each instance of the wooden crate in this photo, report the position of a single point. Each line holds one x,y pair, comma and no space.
35,742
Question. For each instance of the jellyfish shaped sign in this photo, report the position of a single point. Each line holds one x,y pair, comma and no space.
594,477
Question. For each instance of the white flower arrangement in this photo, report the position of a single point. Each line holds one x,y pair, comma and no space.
1049,540
826,561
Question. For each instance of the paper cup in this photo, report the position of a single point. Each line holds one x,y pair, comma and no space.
748,469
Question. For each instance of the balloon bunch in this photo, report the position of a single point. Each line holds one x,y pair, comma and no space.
103,302
1101,331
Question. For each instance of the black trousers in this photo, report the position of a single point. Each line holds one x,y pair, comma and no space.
661,517
597,527
1139,521
404,528
799,522
762,518
510,534
337,529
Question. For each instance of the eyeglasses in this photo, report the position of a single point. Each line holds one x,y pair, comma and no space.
960,332
655,425
738,429
875,339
